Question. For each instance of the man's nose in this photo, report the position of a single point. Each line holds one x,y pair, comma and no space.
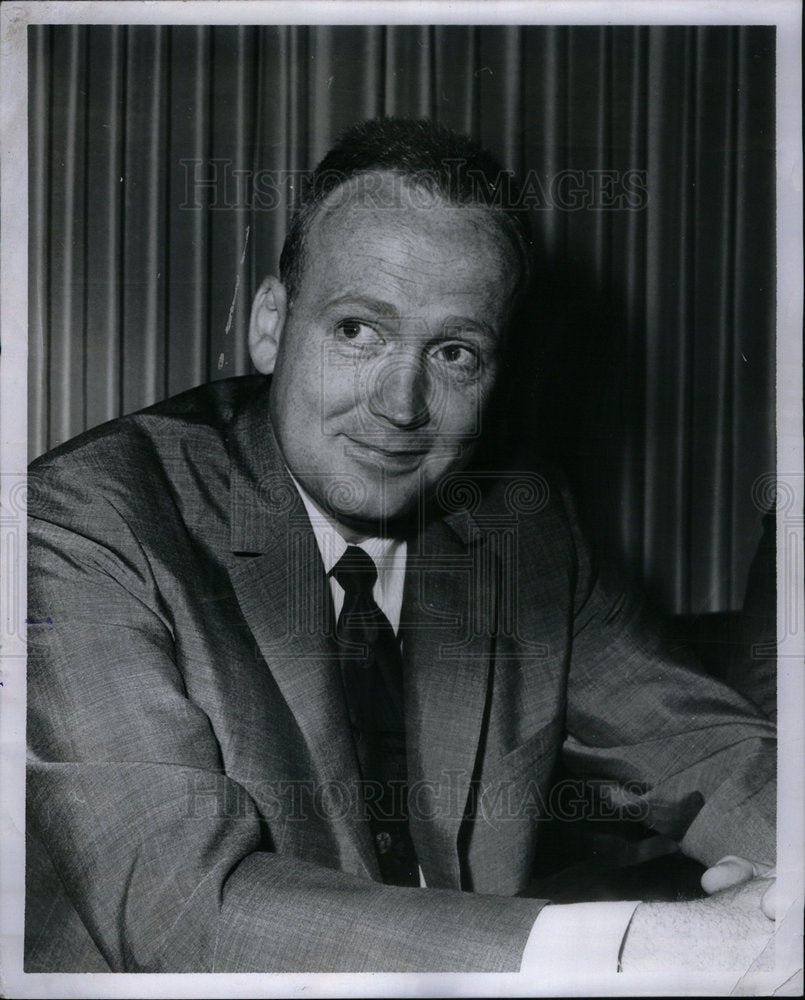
399,390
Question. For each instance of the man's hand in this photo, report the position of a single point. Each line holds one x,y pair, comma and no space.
731,871
727,931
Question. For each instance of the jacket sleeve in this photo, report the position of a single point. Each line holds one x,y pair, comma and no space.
115,741
693,759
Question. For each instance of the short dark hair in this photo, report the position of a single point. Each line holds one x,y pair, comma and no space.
427,155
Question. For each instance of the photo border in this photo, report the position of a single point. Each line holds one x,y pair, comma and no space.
14,18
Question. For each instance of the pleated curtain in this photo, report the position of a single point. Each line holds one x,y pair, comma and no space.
164,162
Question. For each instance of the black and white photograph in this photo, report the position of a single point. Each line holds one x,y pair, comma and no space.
402,499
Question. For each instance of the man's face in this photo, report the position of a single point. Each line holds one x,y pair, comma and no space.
390,349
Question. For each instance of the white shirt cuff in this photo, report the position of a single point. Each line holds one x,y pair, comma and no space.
577,938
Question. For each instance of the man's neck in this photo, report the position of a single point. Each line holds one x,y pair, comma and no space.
353,532
350,535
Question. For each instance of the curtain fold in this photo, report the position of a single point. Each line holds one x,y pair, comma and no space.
164,161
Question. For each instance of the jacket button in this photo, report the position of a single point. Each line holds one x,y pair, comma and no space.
383,841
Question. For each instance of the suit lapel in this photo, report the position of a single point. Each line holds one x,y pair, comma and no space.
446,627
280,584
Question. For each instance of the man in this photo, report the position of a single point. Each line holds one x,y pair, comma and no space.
254,750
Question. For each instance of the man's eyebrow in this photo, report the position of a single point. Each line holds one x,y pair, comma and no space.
377,306
469,325
388,311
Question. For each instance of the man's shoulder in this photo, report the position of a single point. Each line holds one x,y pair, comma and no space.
148,452
206,411
525,502
526,490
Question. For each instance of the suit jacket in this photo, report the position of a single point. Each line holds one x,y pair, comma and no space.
191,790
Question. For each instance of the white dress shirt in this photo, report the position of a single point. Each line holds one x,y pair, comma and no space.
568,938
388,555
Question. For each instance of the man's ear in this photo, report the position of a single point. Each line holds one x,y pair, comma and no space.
269,311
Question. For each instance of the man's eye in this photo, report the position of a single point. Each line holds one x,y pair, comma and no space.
357,332
459,356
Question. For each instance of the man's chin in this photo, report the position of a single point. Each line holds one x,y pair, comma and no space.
375,522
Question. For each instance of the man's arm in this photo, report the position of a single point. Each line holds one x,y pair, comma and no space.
694,758
690,753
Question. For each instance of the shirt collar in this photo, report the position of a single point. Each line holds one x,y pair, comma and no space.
388,554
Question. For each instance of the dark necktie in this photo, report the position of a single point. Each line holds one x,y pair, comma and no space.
371,669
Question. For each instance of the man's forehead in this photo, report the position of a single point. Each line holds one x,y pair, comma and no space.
384,199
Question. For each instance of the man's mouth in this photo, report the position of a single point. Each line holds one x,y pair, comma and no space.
389,456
